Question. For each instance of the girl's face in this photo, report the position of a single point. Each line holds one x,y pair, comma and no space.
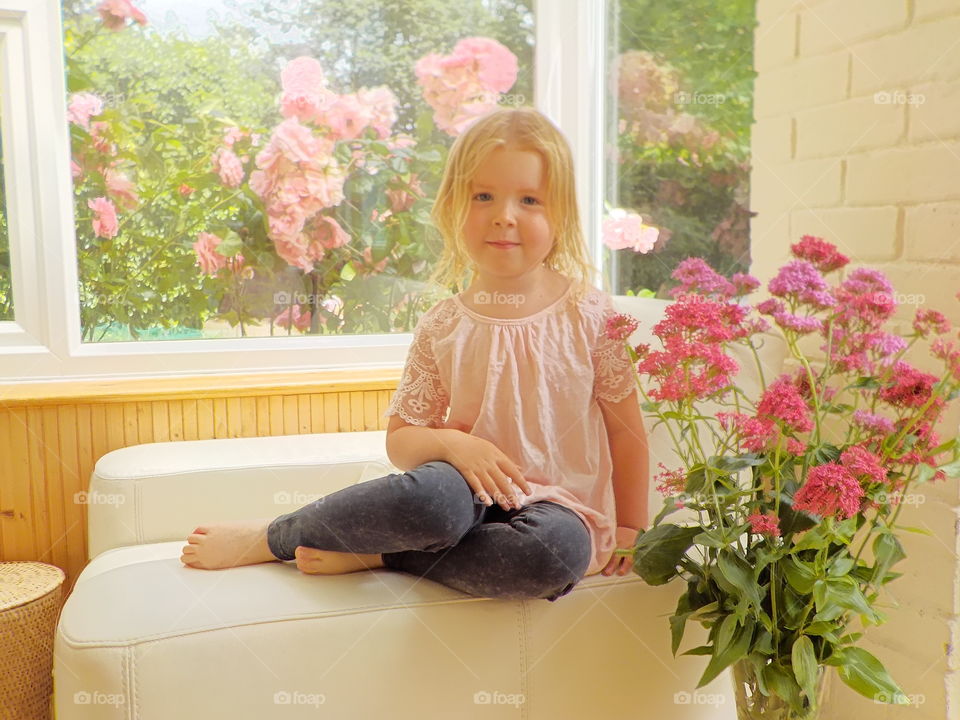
507,232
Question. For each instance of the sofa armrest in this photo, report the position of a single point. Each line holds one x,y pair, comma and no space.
160,492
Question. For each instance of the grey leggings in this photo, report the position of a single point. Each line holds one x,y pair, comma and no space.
427,522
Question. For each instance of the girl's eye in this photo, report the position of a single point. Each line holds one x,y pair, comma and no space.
482,196
533,200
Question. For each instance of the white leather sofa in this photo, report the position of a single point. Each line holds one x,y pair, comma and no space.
144,637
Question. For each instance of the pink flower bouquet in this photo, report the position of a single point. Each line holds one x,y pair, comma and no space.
789,489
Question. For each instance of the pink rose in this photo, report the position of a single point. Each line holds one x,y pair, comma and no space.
228,166
208,259
105,223
328,233
121,189
626,230
82,107
292,314
115,14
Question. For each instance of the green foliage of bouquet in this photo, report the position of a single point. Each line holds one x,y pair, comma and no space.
795,495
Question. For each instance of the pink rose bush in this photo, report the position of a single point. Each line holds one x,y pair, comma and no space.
789,487
467,83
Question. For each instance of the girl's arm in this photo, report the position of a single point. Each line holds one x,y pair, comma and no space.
409,446
628,449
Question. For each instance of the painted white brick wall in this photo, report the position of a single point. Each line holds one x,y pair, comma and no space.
857,139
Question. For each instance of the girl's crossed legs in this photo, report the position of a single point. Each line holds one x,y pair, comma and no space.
426,522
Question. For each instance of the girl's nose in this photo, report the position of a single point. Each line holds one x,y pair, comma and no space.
504,216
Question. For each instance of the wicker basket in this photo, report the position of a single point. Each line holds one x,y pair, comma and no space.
29,605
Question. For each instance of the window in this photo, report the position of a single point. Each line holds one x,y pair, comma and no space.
252,169
65,291
679,112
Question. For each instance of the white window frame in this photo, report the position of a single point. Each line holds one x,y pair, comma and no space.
44,341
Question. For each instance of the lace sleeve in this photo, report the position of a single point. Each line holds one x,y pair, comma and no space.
420,398
614,374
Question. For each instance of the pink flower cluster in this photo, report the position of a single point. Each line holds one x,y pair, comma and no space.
105,223
766,524
670,482
115,14
693,363
297,177
467,83
83,106
211,262
830,490
343,117
626,230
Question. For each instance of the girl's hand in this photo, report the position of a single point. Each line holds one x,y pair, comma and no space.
622,564
490,474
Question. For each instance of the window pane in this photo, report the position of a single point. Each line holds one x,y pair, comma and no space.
6,289
681,106
246,169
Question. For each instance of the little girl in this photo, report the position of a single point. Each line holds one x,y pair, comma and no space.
516,419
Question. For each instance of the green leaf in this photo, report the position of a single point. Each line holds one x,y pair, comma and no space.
865,674
348,272
738,573
725,654
783,684
805,667
659,550
888,551
800,576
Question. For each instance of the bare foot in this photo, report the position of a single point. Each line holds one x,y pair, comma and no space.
224,545
328,562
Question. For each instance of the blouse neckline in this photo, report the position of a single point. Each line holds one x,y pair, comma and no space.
552,307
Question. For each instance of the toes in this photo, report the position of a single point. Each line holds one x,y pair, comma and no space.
195,539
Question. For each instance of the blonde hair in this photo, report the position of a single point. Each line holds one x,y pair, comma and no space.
523,129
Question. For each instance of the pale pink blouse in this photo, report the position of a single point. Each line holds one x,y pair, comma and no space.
530,386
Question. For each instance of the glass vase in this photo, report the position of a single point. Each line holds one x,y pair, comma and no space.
754,705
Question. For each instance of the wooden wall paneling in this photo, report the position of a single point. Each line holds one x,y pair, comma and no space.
190,423
204,418
86,458
331,412
317,424
220,418
144,422
248,417
26,521
37,482
291,423
131,426
44,433
263,416
276,415
10,508
70,468
161,421
343,412
175,418
304,421
234,418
